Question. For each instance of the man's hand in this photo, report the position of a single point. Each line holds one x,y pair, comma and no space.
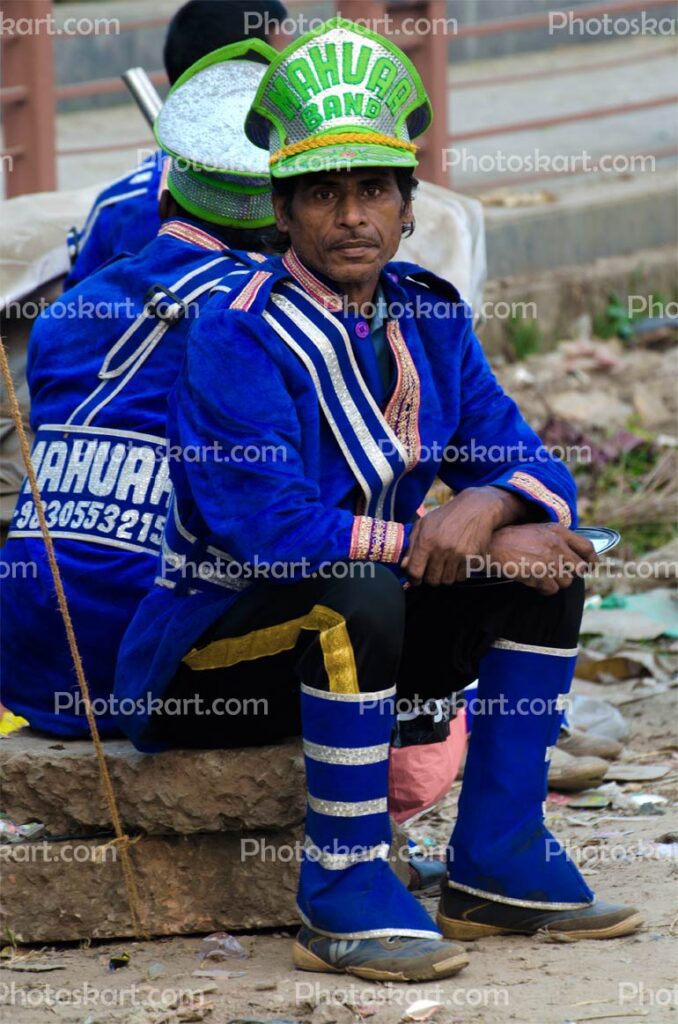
545,556
442,541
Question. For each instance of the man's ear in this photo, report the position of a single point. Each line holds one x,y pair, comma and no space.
281,218
406,214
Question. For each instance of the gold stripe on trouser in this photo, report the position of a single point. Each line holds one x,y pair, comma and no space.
261,643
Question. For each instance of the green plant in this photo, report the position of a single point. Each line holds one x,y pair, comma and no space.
524,337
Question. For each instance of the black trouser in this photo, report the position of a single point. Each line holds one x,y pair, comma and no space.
429,640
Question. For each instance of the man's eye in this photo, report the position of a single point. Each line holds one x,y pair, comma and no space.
373,190
324,194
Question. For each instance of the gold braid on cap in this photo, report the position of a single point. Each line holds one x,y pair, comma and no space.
338,139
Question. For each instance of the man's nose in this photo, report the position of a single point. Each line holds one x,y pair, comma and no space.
351,211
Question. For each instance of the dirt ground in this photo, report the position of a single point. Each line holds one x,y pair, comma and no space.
628,857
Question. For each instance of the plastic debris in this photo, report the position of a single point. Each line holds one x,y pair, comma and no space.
634,616
220,946
156,970
423,1009
118,961
10,722
641,800
13,833
597,717
590,799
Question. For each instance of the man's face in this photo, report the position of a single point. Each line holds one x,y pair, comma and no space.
345,224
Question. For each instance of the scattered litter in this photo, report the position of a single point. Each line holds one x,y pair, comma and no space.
601,668
634,616
119,961
156,970
597,717
220,946
659,605
641,800
622,801
13,833
423,1009
9,722
591,799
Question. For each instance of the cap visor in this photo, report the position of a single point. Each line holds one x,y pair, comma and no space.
342,158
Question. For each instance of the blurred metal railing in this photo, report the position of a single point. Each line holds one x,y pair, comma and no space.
28,97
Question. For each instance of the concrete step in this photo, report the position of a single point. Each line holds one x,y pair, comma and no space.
586,223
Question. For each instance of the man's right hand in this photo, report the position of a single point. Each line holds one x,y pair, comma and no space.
545,556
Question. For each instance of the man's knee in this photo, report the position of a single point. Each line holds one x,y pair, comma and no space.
372,601
556,619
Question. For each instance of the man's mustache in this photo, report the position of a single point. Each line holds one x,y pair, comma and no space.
353,241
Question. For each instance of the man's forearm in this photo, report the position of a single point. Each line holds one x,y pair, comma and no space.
512,509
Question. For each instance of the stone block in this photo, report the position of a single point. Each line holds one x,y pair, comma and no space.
178,791
68,890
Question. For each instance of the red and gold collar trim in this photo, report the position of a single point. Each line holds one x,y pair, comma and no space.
328,299
189,233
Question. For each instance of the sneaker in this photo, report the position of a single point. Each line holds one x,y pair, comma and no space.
388,958
463,916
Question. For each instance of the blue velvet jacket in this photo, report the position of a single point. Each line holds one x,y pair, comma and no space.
101,362
286,454
124,218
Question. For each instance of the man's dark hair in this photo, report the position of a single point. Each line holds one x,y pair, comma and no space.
201,26
246,239
279,240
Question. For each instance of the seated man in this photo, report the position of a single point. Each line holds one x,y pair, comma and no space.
353,381
125,216
101,363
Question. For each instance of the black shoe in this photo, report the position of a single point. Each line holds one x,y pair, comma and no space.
396,958
463,916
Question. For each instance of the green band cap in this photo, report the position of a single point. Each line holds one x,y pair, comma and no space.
338,81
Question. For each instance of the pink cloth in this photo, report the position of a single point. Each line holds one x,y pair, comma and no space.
421,775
